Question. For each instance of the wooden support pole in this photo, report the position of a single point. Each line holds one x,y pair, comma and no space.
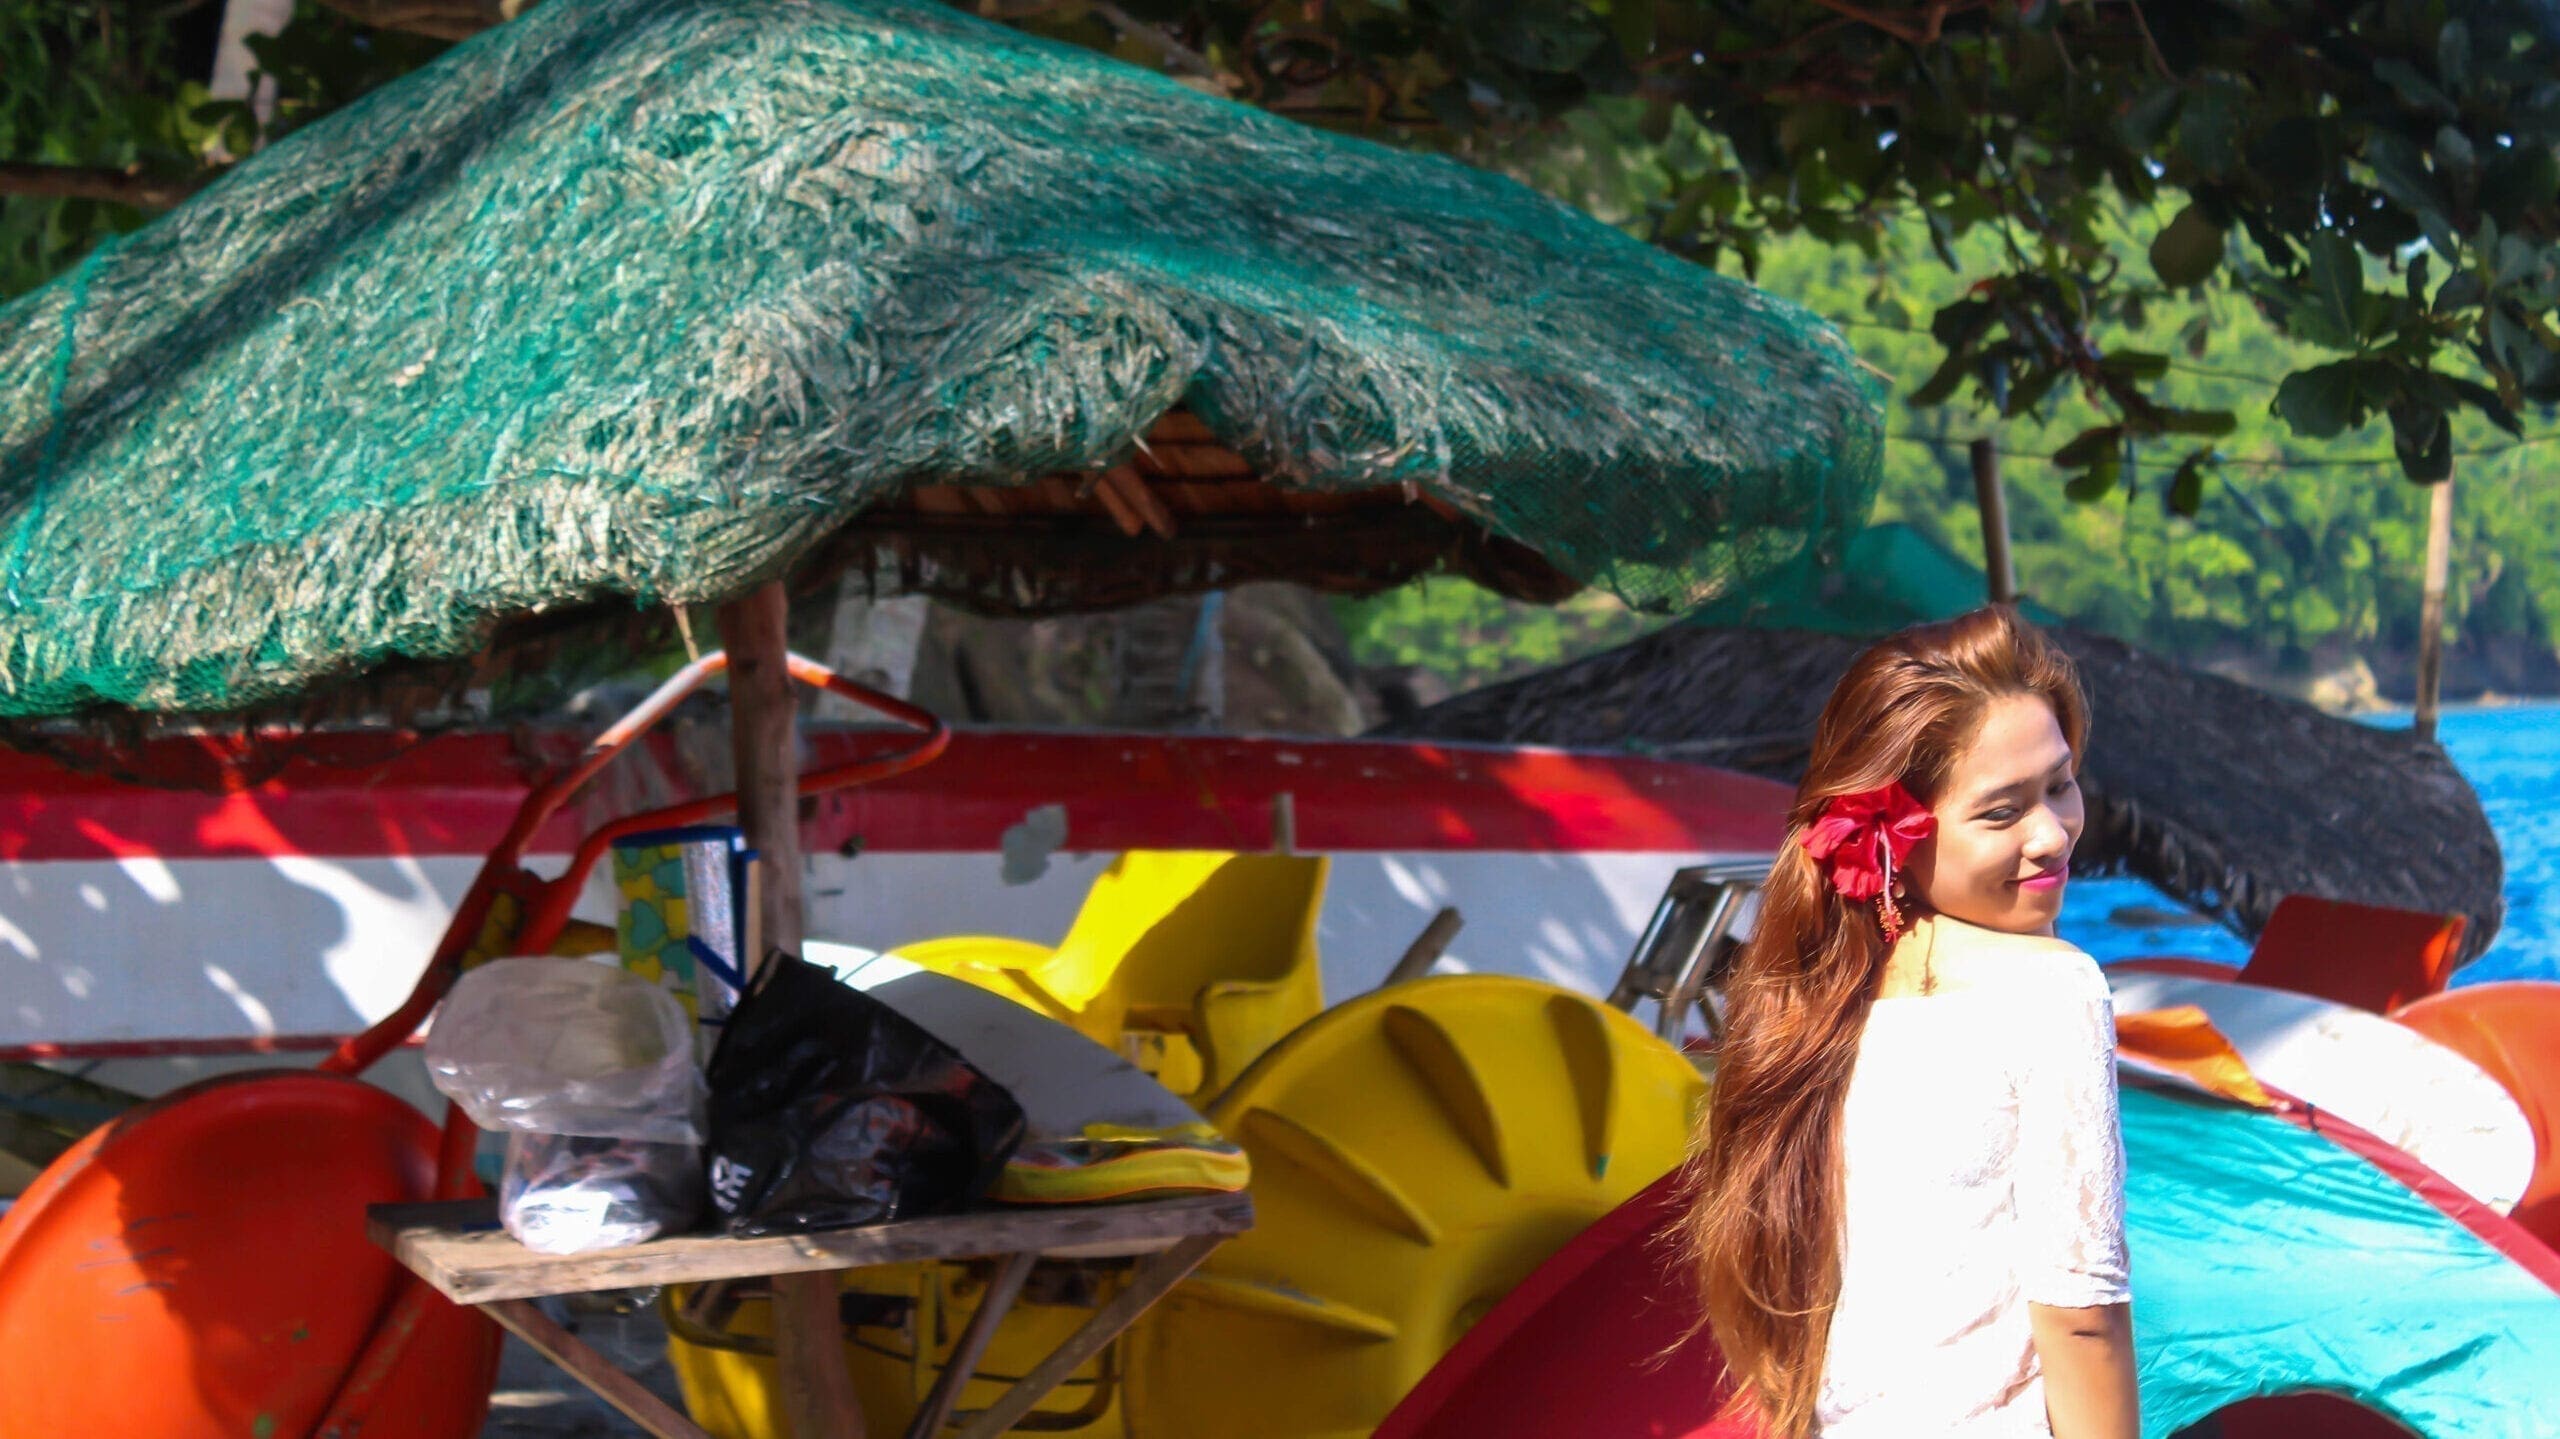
1151,1281
962,1365
2431,606
1427,947
1994,503
654,1415
816,1389
764,740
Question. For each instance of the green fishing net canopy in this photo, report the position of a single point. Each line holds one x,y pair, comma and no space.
637,302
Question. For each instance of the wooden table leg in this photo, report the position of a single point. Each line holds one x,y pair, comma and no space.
972,1346
815,1389
812,1383
1147,1284
580,1360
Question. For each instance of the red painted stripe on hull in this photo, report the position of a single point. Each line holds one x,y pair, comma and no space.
204,1048
353,796
2496,1230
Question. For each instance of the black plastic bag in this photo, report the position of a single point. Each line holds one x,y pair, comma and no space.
830,1109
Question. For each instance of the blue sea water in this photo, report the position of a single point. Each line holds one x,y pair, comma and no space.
2511,755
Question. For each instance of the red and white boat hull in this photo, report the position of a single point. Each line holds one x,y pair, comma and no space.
138,920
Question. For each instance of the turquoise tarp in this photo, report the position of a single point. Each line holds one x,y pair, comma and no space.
2267,1259
1887,576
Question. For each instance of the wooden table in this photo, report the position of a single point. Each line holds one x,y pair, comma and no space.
458,1248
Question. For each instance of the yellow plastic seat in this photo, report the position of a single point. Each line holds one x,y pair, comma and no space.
1193,962
1416,1153
1201,958
1009,967
1215,947
729,1381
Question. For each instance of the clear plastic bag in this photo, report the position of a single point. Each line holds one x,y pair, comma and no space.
568,1047
589,1070
566,1194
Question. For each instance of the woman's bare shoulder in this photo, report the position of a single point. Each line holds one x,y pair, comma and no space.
2021,964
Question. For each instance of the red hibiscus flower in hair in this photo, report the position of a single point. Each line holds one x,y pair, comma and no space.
1860,839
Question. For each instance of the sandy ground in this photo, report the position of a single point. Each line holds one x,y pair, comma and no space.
537,1401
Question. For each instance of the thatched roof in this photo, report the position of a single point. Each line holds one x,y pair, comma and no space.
2227,797
643,301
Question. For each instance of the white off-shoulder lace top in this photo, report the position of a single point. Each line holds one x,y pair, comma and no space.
1983,1170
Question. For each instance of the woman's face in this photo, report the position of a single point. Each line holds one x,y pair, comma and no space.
2007,819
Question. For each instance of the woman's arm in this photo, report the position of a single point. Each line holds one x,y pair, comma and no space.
2088,1370
2070,1194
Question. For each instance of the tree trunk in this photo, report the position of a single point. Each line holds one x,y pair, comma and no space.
1996,568
816,1390
2431,607
232,62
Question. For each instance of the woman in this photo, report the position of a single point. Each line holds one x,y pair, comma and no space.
1909,1214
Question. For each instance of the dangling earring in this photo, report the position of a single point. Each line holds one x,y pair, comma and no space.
1888,913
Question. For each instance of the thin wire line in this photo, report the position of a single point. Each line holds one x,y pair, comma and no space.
2346,462
2181,366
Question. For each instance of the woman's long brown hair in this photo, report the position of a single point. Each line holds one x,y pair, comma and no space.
1763,1231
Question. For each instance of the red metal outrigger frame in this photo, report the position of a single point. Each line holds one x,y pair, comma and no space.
510,910
541,907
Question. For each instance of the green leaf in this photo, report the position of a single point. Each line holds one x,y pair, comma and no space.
2416,89
2380,312
2511,342
2480,397
1450,104
2423,440
1632,22
1941,385
2188,250
2312,324
2135,364
2098,481
1552,41
2319,403
2514,181
2031,390
2207,128
2336,275
2460,291
2517,258
2089,446
2453,56
2440,235
2457,163
2147,118
2185,494
1955,326
2198,422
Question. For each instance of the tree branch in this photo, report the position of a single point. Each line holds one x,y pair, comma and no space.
1183,56
1932,20
77,182
436,19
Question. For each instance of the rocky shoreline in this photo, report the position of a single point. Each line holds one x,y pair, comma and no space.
2344,680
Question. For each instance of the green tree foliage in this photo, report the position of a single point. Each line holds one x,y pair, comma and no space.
2182,251
1470,636
96,87
2281,542
2291,148
2286,546
105,97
